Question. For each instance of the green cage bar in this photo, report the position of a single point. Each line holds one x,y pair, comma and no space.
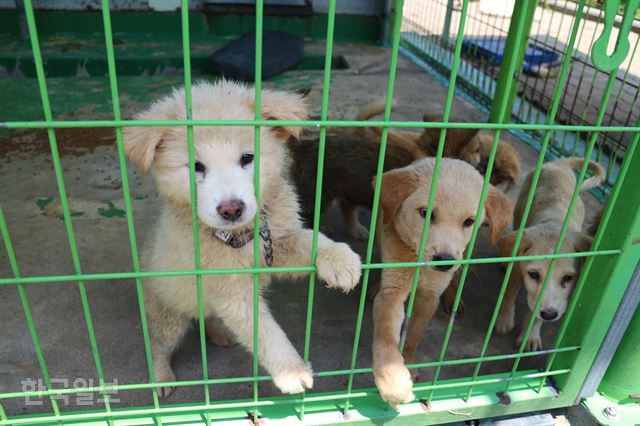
126,190
376,197
326,84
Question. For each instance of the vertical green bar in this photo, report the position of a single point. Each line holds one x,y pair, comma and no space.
326,85
376,196
256,224
598,240
133,245
500,115
564,148
565,225
25,304
184,14
432,192
534,183
514,50
55,156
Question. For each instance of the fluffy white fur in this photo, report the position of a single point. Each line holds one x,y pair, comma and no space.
172,302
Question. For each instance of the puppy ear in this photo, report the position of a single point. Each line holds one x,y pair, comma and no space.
396,186
284,106
141,143
582,242
505,244
498,210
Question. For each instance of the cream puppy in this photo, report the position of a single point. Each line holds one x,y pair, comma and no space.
550,205
226,209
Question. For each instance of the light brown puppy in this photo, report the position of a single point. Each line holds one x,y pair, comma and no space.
468,145
403,206
226,207
552,196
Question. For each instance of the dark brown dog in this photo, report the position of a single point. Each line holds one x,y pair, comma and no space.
349,167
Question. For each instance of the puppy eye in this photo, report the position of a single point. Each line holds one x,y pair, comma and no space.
566,279
468,222
246,158
200,168
534,275
423,213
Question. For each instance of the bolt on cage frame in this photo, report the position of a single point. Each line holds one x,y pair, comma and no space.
608,266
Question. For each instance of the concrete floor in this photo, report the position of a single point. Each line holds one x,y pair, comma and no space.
29,199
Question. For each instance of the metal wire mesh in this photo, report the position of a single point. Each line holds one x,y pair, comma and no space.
425,35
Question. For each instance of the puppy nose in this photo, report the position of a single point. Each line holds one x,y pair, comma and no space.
549,314
443,256
231,209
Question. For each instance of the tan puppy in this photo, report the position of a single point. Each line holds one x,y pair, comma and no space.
403,202
506,165
468,145
552,196
226,209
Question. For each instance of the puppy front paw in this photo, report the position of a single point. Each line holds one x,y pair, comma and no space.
505,323
534,343
294,379
395,384
165,374
339,266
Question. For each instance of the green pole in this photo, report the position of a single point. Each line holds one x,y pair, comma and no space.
517,26
621,382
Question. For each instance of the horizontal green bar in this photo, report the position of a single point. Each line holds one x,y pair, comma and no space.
310,123
362,393
488,381
285,269
228,380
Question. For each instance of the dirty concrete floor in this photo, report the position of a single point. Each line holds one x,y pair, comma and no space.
30,202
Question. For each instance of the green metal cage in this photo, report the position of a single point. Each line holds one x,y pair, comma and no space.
428,33
608,267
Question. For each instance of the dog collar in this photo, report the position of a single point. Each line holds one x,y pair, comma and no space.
242,238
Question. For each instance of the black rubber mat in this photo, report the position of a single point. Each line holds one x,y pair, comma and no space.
236,60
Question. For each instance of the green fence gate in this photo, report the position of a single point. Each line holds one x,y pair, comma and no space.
608,267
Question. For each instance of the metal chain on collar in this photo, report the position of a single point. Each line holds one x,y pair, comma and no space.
265,235
240,239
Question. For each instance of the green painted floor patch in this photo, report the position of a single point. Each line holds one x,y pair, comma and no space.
72,214
112,211
80,98
89,98
42,202
49,208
